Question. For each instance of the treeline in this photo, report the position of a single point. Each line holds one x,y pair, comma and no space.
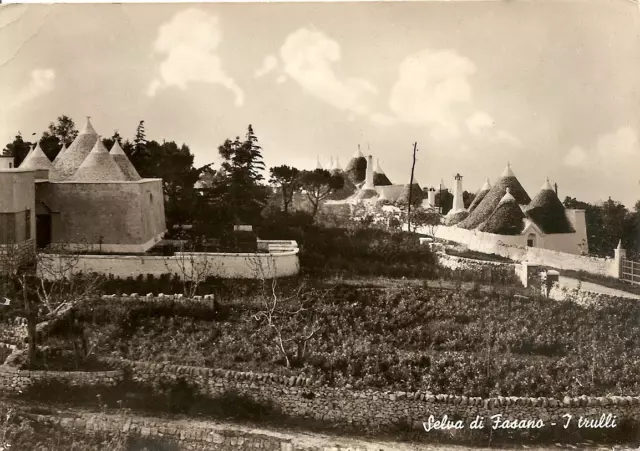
609,223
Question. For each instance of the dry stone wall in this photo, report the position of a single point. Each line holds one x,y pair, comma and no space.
15,380
309,398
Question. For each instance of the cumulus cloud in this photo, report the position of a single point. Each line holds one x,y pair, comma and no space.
576,157
611,150
479,122
41,81
429,85
189,42
622,143
269,64
308,58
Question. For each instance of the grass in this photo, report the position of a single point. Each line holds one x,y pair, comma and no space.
475,255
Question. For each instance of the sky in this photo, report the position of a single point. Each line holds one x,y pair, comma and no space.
550,86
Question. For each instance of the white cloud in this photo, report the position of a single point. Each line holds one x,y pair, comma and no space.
479,122
281,79
622,143
576,157
189,42
505,137
429,85
269,64
612,151
308,58
41,82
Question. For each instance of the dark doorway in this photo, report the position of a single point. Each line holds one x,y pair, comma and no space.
43,230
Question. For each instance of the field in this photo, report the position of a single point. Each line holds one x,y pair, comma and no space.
445,341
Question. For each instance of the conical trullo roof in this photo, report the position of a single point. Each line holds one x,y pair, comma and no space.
99,166
417,195
548,213
488,204
68,161
356,169
335,167
480,195
318,164
36,160
506,219
124,163
379,177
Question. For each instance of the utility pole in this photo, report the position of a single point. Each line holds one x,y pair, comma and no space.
413,166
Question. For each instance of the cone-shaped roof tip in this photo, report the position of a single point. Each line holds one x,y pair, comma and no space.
547,185
507,171
358,153
116,149
88,128
377,167
99,147
318,164
36,159
507,197
486,186
620,244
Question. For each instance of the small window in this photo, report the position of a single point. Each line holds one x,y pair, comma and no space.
27,225
150,197
10,165
531,240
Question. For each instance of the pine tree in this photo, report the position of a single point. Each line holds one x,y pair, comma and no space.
140,141
242,196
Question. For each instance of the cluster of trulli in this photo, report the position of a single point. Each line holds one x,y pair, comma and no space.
85,160
507,209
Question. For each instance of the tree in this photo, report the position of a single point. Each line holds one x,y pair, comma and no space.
293,319
241,194
140,140
286,179
444,200
467,198
424,218
63,131
18,149
48,289
318,185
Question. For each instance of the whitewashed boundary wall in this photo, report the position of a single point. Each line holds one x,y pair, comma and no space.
511,247
280,261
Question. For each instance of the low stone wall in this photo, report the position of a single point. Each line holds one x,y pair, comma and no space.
281,261
15,380
304,397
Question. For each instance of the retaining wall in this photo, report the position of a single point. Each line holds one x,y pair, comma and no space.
304,397
15,380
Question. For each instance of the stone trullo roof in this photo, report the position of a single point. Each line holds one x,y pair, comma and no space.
547,212
99,166
480,195
506,219
68,161
124,163
36,160
318,164
356,169
379,177
488,204
417,195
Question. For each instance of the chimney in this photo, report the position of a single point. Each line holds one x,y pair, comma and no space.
368,181
431,197
458,201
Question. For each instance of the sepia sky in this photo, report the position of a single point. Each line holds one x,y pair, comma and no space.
551,86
